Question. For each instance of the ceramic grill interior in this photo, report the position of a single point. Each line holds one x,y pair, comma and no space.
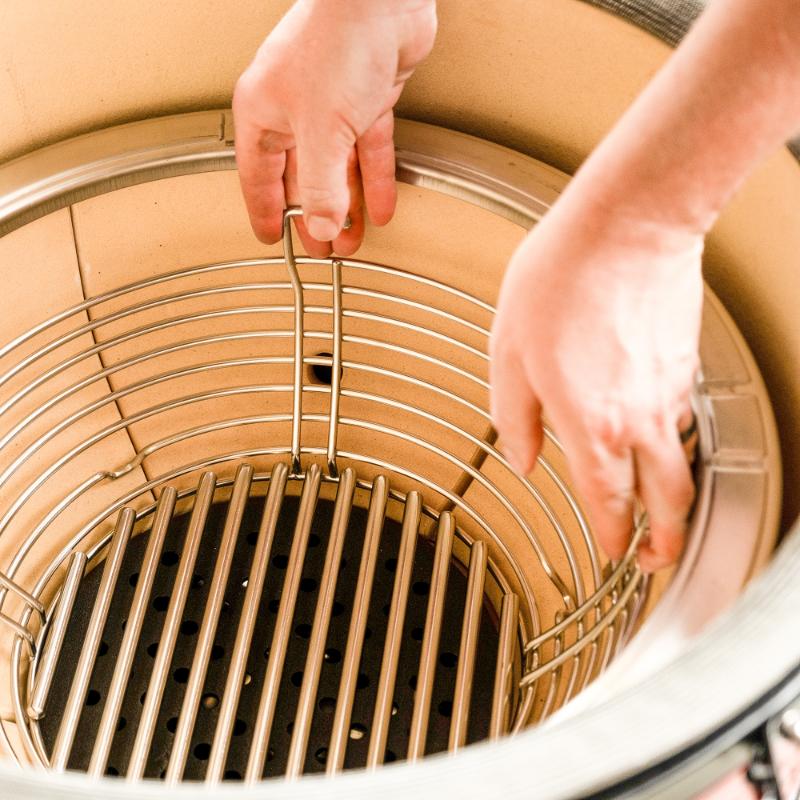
311,555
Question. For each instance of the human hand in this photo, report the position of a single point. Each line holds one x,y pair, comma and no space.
314,120
736,786
598,324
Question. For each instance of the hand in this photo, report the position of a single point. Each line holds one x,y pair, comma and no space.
314,120
598,324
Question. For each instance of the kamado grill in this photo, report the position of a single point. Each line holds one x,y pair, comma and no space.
256,529
345,571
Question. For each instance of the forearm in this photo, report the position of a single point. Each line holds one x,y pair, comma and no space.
728,96
348,10
366,7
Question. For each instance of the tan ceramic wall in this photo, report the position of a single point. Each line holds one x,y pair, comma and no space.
545,76
548,77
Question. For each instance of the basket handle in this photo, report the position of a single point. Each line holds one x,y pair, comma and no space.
336,366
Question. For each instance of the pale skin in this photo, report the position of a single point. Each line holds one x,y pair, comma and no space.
598,318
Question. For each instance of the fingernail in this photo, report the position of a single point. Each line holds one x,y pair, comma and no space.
322,228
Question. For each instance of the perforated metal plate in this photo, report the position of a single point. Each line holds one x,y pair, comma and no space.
256,662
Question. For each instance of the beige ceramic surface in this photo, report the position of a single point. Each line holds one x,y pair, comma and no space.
547,78
148,58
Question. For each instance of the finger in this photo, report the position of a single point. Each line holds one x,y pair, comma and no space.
261,160
322,154
666,488
686,421
349,240
314,248
604,479
687,431
377,162
516,413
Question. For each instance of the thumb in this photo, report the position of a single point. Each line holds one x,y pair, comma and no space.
322,154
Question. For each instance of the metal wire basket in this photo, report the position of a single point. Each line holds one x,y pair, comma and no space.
370,387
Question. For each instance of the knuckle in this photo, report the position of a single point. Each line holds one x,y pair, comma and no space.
244,90
266,232
272,142
331,129
613,498
614,547
616,501
608,428
667,545
671,547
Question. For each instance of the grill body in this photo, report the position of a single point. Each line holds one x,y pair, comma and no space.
570,612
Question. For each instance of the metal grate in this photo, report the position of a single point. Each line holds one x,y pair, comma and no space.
187,705
486,622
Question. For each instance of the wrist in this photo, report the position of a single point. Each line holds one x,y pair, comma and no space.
615,215
649,191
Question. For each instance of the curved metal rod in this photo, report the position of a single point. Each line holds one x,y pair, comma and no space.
22,551
297,288
199,397
33,736
185,469
97,323
320,388
128,497
478,476
123,423
120,365
614,579
593,634
397,405
163,377
222,266
99,476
